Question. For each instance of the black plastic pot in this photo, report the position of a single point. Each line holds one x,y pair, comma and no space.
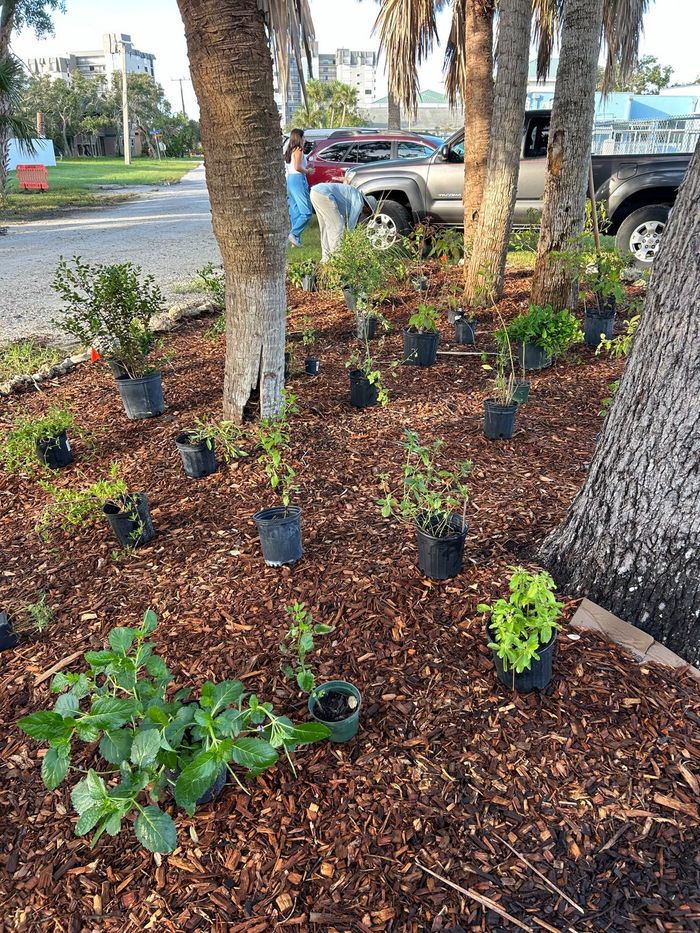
280,534
8,638
366,326
539,675
130,519
521,391
287,364
595,324
362,393
312,366
308,283
420,349
197,459
465,330
142,398
453,314
607,304
54,452
499,420
441,558
532,357
118,369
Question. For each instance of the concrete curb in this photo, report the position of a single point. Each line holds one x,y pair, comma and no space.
161,324
639,644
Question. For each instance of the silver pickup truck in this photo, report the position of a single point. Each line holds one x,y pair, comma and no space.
638,191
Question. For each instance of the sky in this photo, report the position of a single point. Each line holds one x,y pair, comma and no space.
671,29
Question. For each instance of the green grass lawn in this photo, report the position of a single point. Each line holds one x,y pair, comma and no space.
75,183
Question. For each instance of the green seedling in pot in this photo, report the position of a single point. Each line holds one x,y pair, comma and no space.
299,641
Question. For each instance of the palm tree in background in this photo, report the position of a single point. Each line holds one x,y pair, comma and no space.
231,45
13,125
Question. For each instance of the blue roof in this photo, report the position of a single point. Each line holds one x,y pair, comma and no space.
623,106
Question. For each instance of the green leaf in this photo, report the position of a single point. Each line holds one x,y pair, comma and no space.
196,779
145,747
155,830
113,823
157,668
306,680
253,753
121,639
150,622
307,732
321,629
66,705
89,818
55,766
226,693
44,725
231,722
115,746
99,658
89,792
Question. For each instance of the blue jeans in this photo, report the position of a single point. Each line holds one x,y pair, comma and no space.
299,203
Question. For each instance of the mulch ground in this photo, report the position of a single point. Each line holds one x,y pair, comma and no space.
593,783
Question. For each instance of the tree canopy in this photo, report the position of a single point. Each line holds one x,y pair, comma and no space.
330,104
648,77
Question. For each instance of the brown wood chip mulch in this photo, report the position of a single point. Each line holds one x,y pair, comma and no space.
594,784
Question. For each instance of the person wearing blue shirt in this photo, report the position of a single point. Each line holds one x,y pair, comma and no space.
338,207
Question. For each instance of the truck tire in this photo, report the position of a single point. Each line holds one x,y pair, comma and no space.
640,233
391,222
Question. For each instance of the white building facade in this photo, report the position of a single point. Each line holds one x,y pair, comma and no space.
96,63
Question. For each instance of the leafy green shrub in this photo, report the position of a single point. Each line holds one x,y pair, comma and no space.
621,345
225,434
299,641
525,621
109,308
73,508
308,337
447,245
273,439
153,742
425,320
39,614
430,495
552,331
357,264
26,357
18,450
525,239
298,270
212,281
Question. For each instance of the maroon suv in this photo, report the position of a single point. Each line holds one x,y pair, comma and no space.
331,157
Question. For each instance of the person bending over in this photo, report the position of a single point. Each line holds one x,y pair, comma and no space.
338,207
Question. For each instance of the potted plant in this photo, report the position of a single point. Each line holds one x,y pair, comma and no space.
522,631
38,440
127,513
357,267
539,334
304,274
312,364
367,318
465,329
601,275
454,299
421,337
110,308
366,388
153,743
279,527
434,502
197,446
501,408
299,643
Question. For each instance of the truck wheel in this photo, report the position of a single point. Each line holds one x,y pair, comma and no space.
388,225
640,233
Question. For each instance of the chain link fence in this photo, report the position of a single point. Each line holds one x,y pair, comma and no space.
646,137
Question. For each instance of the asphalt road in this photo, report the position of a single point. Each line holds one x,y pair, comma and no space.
167,231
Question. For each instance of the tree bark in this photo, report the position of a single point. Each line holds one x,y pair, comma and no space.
7,15
568,152
232,75
393,112
486,267
478,102
631,539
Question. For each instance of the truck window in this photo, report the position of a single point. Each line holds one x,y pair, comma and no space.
456,152
537,138
372,152
408,150
333,153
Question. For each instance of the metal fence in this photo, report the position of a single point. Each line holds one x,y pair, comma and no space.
646,137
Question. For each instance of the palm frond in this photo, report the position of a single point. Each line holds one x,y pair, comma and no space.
623,24
407,32
455,67
547,16
290,26
12,123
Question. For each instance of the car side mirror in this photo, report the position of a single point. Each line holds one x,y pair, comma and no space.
444,152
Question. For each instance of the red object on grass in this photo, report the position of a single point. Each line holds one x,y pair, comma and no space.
33,176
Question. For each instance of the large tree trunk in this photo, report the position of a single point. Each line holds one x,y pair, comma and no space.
631,540
394,111
568,152
7,14
232,76
477,98
485,271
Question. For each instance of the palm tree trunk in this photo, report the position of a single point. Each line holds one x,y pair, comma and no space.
630,541
484,276
478,103
569,151
7,12
232,76
393,112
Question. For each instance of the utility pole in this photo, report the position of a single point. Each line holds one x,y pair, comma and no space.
182,94
125,110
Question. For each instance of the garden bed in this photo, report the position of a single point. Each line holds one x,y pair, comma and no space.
589,782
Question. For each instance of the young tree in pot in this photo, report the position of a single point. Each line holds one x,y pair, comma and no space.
197,446
421,337
522,631
127,513
279,527
312,364
501,408
153,743
304,274
110,308
434,502
601,275
454,303
465,330
540,334
35,441
357,267
366,388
